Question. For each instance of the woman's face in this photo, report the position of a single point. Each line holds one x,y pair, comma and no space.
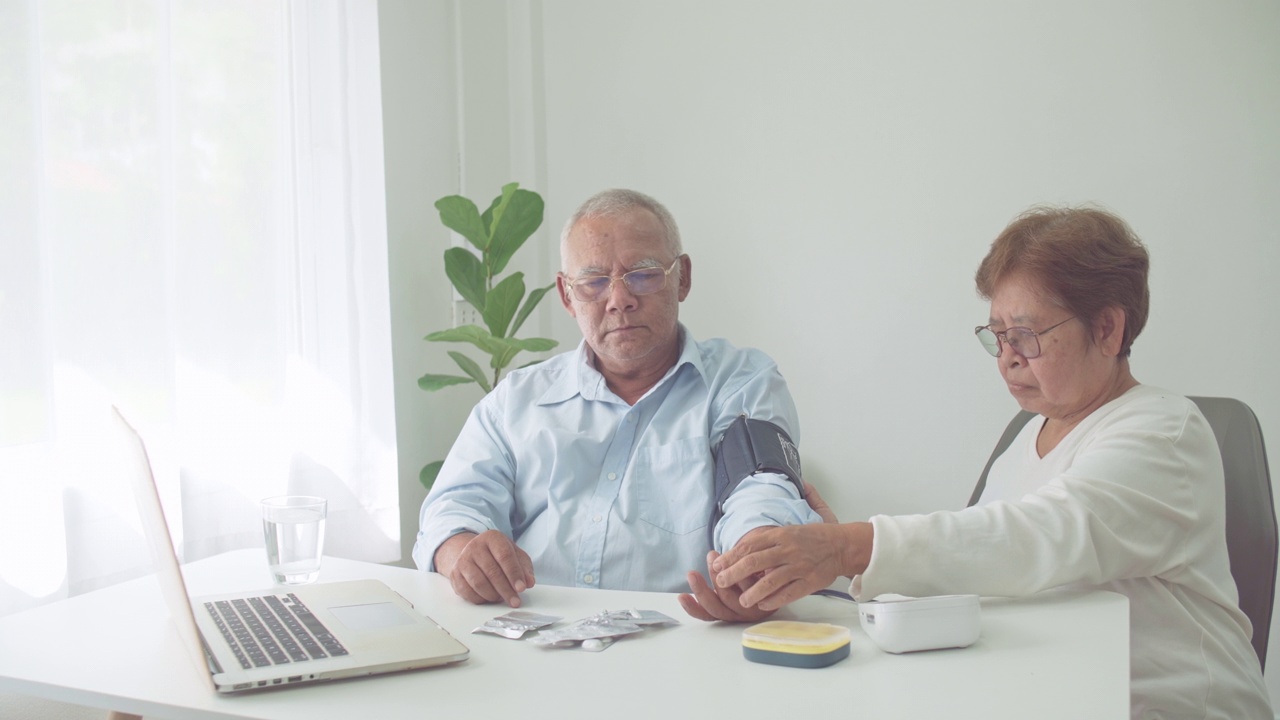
1071,373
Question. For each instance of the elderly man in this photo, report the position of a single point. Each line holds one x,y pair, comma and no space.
594,468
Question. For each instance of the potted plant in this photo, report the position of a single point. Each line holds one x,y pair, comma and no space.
496,234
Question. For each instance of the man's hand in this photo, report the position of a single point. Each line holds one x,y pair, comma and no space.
485,568
712,603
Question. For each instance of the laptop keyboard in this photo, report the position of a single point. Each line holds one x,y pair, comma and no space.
272,630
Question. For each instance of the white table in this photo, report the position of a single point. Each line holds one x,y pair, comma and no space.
1055,655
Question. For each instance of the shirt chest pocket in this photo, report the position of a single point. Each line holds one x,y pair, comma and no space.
672,485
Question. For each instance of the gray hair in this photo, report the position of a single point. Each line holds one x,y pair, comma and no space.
618,201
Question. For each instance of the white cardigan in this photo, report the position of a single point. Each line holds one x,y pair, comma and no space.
1131,501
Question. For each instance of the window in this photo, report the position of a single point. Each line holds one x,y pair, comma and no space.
193,229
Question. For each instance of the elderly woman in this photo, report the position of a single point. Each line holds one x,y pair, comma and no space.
1116,486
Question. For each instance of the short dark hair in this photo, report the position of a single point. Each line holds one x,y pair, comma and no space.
1085,258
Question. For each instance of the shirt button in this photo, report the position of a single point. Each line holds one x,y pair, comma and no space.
588,579
595,519
612,476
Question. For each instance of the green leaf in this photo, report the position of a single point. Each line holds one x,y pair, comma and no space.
512,346
502,359
460,215
520,219
492,217
431,383
501,303
535,296
427,476
464,333
473,334
470,367
534,344
467,274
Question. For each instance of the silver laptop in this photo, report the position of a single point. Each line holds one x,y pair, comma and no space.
289,634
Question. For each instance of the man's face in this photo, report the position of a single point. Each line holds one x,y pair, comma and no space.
626,331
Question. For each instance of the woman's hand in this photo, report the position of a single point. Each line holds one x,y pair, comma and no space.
710,603
818,504
791,562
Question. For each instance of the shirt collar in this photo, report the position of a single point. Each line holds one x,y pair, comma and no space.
585,380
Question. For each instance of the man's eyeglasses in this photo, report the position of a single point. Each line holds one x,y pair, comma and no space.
1024,341
645,281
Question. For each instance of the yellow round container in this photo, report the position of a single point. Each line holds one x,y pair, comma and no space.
795,644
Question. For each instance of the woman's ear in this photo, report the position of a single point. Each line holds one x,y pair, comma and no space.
1108,330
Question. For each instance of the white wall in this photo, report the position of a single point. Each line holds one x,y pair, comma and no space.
420,140
461,114
839,169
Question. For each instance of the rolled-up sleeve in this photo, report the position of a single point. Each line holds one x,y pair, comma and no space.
763,499
474,491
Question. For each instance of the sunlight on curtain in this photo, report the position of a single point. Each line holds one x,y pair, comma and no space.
193,228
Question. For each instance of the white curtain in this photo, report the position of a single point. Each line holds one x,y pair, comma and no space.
192,226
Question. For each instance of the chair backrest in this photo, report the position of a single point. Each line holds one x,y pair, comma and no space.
1250,516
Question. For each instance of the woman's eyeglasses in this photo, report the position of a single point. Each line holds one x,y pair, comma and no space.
1024,341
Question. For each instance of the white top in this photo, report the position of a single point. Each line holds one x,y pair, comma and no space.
1131,500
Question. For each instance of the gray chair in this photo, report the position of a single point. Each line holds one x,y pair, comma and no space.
1251,517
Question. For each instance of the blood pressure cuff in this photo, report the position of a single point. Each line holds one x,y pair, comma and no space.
748,447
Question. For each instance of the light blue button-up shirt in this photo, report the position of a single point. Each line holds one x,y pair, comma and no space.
604,494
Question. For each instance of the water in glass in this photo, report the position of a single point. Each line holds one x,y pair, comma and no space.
295,542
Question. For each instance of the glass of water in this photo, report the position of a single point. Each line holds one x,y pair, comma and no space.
294,529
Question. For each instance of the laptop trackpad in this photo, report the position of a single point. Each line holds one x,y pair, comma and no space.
373,616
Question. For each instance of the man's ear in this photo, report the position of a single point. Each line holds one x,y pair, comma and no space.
565,300
686,277
1108,330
